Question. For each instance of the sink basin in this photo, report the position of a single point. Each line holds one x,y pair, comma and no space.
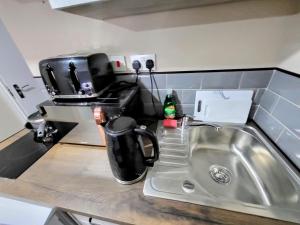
234,168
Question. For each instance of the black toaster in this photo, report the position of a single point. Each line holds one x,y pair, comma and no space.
76,76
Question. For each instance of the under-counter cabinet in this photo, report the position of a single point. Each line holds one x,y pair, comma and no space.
85,220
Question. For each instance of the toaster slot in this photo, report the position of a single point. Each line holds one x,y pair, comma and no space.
74,78
52,78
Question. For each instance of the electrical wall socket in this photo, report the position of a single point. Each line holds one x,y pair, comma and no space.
142,59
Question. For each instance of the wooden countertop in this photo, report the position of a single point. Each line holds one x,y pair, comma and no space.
78,178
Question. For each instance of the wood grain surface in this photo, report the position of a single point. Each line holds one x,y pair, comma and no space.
78,178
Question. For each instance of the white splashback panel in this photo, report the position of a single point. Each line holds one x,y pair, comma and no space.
223,106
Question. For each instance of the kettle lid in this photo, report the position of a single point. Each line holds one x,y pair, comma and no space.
120,125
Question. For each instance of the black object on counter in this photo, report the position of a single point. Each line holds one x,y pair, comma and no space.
76,76
20,155
125,149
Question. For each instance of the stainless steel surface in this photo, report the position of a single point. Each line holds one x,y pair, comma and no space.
205,124
35,119
233,167
133,181
86,132
187,121
83,96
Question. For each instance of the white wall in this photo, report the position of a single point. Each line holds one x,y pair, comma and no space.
240,44
40,32
290,54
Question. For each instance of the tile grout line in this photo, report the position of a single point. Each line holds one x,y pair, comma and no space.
275,105
284,98
181,95
281,132
258,107
273,74
256,92
201,82
241,79
277,120
167,81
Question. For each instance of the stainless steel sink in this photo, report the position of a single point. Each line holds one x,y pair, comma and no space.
234,168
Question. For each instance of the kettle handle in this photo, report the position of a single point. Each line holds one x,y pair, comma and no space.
149,161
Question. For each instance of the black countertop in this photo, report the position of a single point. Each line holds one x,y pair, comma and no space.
21,154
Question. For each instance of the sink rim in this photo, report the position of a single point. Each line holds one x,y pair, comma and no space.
276,211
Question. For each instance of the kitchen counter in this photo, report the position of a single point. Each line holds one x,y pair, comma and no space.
78,178
13,138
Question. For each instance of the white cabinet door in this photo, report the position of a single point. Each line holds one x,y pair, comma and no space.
84,220
16,76
11,119
16,212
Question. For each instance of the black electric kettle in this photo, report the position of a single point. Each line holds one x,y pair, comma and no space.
126,151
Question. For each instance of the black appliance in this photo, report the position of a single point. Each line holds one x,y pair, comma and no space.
125,149
76,76
20,155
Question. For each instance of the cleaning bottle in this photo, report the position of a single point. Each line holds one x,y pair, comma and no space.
170,105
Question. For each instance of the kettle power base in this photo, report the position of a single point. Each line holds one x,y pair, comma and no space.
133,181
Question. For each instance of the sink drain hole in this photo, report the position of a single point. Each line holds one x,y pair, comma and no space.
188,186
220,174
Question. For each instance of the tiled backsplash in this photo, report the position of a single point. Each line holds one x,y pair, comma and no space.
275,106
278,113
185,86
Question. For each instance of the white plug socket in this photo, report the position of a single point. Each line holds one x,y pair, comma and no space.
142,59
